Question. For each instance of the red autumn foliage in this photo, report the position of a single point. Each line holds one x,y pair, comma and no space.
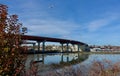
11,61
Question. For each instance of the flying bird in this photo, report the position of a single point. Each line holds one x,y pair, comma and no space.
51,6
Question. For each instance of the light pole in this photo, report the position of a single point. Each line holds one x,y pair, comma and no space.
24,30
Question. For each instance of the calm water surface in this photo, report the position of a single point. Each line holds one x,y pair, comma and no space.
83,59
55,58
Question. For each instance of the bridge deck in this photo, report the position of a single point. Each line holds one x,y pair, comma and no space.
40,38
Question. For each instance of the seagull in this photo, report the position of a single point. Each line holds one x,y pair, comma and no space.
51,6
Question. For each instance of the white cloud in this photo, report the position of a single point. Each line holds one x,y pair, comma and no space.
50,27
42,21
95,25
100,23
39,21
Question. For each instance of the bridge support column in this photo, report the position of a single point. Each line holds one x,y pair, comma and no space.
34,46
61,47
67,47
78,47
38,46
43,46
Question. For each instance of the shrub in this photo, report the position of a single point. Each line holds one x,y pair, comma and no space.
11,61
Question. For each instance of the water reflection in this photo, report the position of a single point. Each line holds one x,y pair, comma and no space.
47,61
73,58
57,58
39,58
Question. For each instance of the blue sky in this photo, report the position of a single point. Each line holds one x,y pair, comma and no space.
90,21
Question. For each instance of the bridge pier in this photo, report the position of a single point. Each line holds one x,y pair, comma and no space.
33,46
78,47
67,47
61,47
38,46
43,46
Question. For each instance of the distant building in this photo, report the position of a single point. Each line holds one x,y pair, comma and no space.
108,48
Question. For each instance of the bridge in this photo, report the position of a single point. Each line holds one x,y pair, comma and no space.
40,39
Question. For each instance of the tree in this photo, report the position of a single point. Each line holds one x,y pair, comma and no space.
11,61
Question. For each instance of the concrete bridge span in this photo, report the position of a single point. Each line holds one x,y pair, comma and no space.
40,39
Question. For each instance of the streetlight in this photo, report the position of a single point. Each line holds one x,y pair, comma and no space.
24,30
